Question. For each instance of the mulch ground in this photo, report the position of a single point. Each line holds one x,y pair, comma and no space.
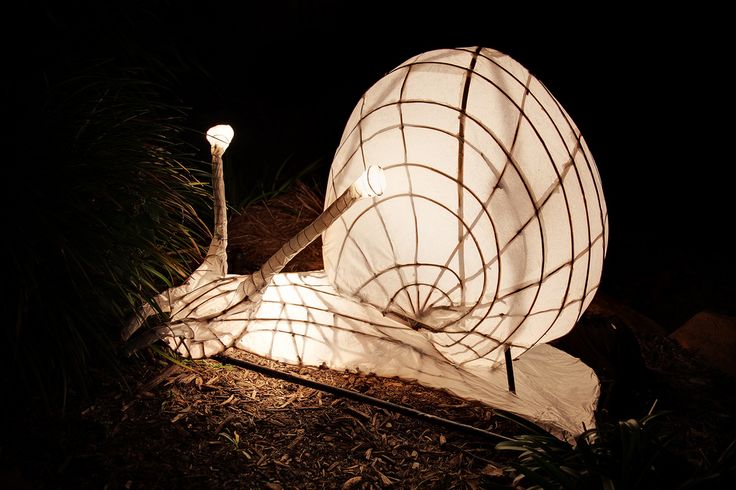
170,423
164,422
202,424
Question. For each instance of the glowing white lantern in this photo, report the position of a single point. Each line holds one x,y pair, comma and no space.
220,137
494,228
481,239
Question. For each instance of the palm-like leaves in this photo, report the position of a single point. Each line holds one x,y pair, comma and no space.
624,454
104,213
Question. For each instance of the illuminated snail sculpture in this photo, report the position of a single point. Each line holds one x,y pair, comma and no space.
481,237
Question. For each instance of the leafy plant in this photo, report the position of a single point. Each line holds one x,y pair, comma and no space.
235,441
626,454
104,212
720,474
271,184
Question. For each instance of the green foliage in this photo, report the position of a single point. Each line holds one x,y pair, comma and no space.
103,213
272,183
235,441
625,454
720,474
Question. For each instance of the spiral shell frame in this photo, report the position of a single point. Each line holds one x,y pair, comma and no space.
493,228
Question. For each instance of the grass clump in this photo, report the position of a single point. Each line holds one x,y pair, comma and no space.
624,454
103,213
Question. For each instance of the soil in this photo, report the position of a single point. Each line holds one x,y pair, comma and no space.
164,422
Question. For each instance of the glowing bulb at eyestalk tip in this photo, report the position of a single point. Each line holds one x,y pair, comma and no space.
371,183
220,136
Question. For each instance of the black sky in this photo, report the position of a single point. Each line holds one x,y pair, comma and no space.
647,89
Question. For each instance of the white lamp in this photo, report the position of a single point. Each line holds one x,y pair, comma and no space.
220,137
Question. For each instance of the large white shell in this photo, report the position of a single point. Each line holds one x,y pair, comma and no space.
493,227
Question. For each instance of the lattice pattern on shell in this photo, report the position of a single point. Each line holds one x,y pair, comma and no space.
493,228
491,233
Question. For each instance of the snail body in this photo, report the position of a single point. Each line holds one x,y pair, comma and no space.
464,226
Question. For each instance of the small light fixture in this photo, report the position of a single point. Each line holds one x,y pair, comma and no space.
220,137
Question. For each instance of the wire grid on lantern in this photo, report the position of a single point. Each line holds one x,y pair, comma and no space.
493,228
488,240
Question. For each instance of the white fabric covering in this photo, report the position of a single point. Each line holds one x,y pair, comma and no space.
492,229
302,320
489,234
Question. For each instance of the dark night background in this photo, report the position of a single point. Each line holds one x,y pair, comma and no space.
647,89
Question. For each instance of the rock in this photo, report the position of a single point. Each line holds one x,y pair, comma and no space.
610,348
641,325
712,337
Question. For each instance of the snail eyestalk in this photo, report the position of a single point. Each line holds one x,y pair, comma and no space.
371,183
219,137
214,266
